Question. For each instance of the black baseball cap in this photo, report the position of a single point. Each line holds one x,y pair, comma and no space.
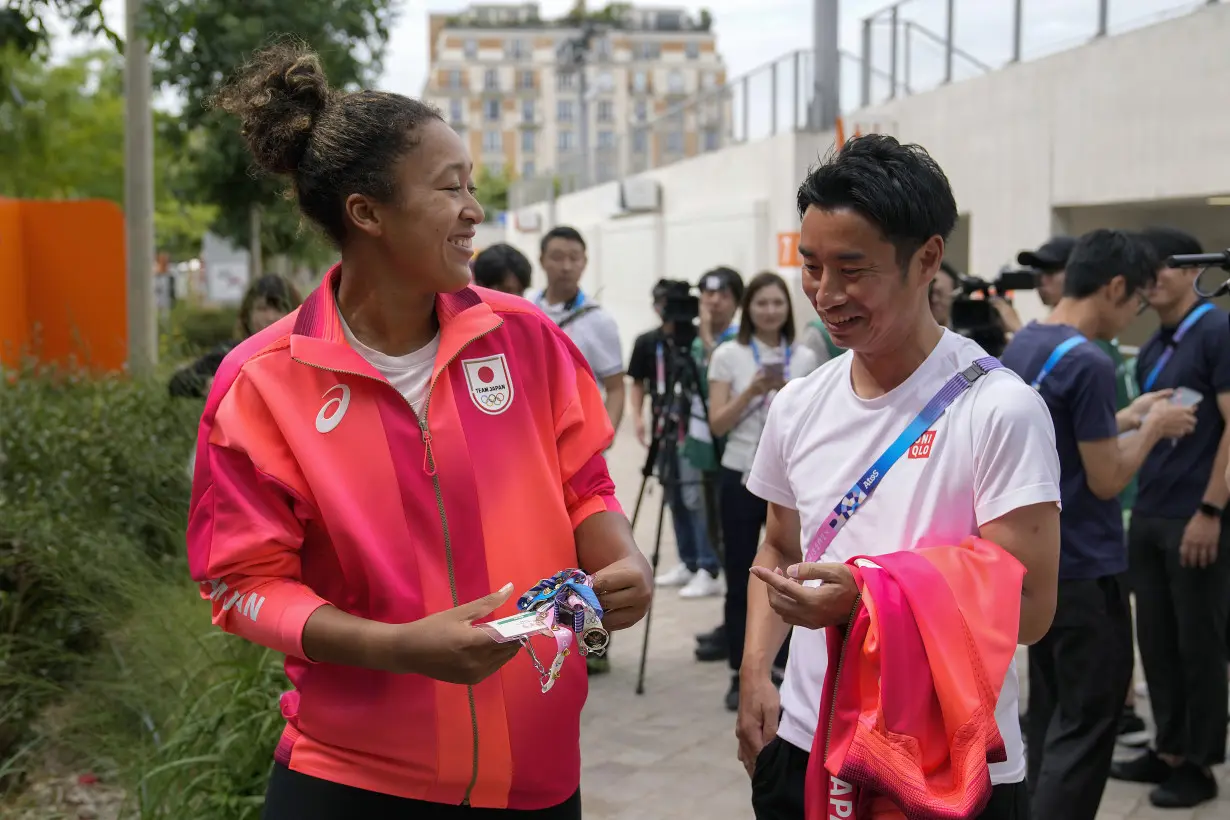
723,279
1052,256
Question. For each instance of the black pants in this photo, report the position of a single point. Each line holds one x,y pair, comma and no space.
1181,623
743,517
1079,675
781,772
295,796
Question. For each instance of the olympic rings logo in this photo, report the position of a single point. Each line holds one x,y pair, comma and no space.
492,400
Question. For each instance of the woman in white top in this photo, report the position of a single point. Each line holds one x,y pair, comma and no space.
744,376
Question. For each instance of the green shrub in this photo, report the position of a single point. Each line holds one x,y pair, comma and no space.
97,612
191,329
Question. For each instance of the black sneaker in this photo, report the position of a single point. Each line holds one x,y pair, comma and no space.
717,635
1148,768
1188,786
732,694
1132,729
711,646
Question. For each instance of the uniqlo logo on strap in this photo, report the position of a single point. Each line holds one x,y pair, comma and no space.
922,447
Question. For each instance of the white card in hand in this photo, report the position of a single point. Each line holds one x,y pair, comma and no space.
515,627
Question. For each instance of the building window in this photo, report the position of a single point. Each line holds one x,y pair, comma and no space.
606,139
471,49
527,168
491,80
640,140
516,50
708,80
454,79
527,80
674,81
640,82
602,48
527,142
712,140
493,141
527,111
693,50
674,142
642,110
565,141
456,112
566,80
491,110
647,51
563,110
606,111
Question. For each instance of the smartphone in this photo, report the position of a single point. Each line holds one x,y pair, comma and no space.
1186,397
775,371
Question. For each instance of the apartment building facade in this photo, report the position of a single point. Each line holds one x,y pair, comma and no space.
498,76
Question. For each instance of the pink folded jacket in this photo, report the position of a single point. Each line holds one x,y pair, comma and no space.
907,722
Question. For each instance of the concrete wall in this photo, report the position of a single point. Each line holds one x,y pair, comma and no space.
1137,118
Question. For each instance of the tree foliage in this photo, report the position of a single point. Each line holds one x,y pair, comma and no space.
23,23
63,129
200,43
492,189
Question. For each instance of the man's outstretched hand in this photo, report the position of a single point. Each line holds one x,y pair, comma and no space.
812,607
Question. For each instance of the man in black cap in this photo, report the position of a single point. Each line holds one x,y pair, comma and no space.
1049,261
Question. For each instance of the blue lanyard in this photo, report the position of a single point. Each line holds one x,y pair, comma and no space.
572,306
785,364
660,369
1058,353
1164,359
727,334
871,479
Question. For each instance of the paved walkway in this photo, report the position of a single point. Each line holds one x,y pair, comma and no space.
670,753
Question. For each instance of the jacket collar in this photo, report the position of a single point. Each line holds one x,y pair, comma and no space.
318,338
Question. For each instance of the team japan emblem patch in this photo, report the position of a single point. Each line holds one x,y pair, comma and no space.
490,385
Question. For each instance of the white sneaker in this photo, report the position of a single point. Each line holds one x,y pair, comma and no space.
677,577
702,585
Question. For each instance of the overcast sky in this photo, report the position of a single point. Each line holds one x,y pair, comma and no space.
752,32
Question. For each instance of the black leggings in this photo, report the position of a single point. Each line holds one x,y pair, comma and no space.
295,796
743,516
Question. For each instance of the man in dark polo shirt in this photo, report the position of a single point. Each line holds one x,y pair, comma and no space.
1080,671
1179,543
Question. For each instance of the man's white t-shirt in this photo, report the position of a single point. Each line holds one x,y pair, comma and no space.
409,374
596,335
734,363
993,452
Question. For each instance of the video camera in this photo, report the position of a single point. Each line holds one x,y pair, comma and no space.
1206,261
680,310
976,318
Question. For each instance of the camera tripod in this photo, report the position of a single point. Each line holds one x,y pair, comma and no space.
671,414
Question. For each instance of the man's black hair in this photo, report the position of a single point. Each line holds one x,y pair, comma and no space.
493,264
898,188
1167,242
731,281
1101,255
561,232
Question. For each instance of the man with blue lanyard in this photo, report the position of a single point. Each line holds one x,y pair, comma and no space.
563,259
593,330
1079,673
1179,542
915,437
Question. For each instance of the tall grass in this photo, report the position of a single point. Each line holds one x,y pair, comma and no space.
97,616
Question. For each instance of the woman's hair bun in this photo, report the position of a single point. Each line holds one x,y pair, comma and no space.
278,95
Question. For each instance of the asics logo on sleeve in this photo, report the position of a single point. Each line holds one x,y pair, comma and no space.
325,422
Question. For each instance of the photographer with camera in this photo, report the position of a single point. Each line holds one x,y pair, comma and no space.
1080,672
653,369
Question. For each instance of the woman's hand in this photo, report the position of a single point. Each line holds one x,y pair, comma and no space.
762,384
625,591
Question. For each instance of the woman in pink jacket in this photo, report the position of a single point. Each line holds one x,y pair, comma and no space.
393,462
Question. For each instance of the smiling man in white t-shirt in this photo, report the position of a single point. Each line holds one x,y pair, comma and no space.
874,222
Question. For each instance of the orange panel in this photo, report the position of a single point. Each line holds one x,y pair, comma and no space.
14,333
76,293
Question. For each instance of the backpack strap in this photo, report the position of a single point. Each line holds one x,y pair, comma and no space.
577,314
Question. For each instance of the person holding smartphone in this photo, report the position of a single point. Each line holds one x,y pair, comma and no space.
744,377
